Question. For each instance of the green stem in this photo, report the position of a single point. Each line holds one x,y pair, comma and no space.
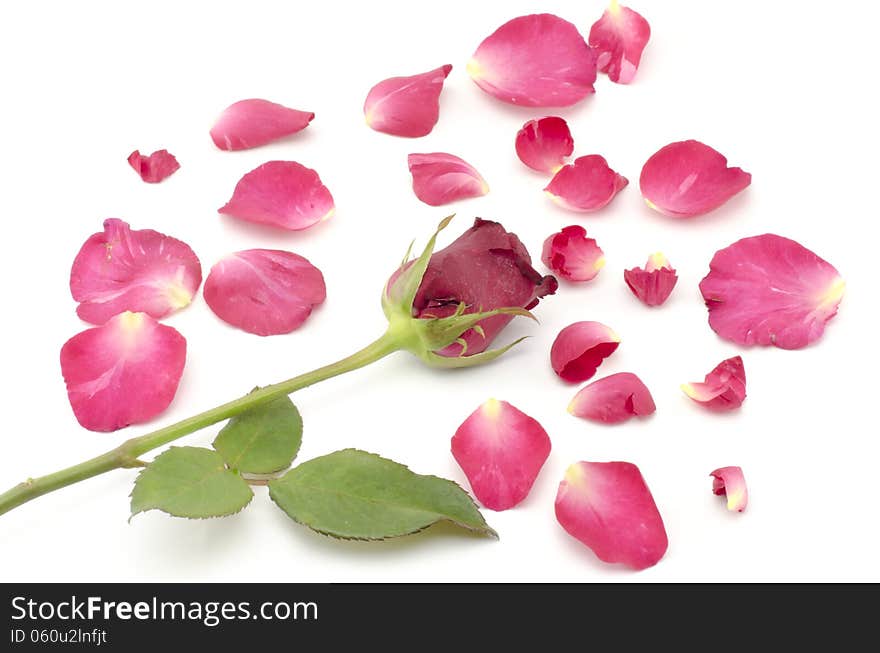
126,455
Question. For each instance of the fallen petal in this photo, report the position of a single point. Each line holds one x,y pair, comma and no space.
406,106
154,168
613,399
619,38
609,508
723,389
141,271
538,60
282,194
572,255
731,482
654,283
586,185
580,348
264,291
689,178
440,178
124,372
769,290
501,450
544,144
252,123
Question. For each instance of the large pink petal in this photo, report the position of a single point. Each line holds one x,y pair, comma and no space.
586,185
154,168
769,290
264,291
406,106
580,348
613,399
539,60
251,123
544,144
572,255
608,507
501,450
723,389
141,271
283,194
731,482
124,372
689,178
619,38
654,283
440,178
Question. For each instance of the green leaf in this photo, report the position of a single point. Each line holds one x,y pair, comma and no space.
353,494
262,440
189,482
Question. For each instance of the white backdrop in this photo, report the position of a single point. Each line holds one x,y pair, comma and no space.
781,88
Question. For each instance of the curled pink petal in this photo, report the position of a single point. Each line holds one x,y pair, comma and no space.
688,178
730,481
619,38
251,123
124,372
723,389
283,194
580,348
501,450
538,60
586,185
613,399
544,144
406,106
264,291
440,178
572,255
609,508
654,283
154,168
140,271
769,290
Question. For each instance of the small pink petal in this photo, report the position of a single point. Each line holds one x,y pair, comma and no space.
730,481
501,450
572,255
613,399
723,389
251,123
769,290
124,372
539,60
406,106
580,348
141,271
282,194
154,168
440,178
264,291
544,144
654,283
619,38
609,508
586,185
689,178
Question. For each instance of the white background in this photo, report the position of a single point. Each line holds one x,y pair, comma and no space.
784,89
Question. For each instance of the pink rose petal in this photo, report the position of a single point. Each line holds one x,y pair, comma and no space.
586,185
440,178
572,255
124,372
264,291
282,194
769,290
613,399
539,60
723,389
730,481
501,450
406,106
154,168
619,38
688,178
580,348
544,144
609,508
252,123
654,283
141,271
